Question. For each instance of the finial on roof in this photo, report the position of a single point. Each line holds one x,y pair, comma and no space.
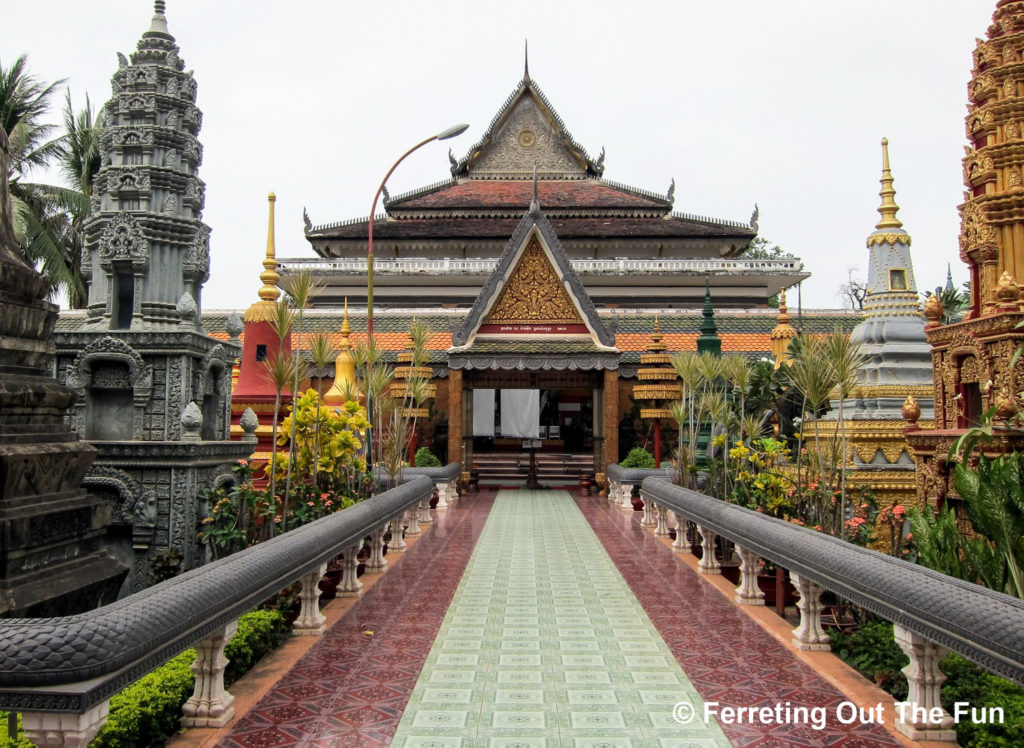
346,329
451,158
888,208
526,60
950,288
159,22
671,190
755,216
269,276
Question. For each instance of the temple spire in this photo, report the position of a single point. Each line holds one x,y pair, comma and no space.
783,333
159,23
888,208
263,310
708,341
526,61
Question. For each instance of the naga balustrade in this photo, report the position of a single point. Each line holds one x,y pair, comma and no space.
622,481
933,613
61,672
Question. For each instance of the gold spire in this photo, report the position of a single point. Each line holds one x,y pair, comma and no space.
263,310
888,208
344,367
783,333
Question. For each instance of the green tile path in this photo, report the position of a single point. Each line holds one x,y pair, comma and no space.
544,644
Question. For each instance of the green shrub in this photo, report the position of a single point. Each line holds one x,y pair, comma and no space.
872,651
638,457
426,458
19,742
259,633
971,684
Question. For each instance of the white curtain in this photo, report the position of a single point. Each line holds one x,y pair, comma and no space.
520,413
483,412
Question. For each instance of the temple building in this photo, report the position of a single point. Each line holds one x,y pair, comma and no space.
626,245
897,364
973,360
153,388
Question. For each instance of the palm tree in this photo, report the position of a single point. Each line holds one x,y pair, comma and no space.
49,219
301,289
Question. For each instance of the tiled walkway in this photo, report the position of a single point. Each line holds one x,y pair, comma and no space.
569,629
544,645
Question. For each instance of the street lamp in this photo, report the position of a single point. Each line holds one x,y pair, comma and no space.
451,132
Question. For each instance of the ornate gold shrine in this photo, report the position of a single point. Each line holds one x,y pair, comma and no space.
533,294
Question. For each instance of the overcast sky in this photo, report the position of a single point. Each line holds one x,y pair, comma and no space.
779,102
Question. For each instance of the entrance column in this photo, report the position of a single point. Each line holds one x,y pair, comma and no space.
611,423
455,421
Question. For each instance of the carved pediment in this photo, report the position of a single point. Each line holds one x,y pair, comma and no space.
524,139
533,293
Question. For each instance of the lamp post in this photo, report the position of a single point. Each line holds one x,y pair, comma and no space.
451,132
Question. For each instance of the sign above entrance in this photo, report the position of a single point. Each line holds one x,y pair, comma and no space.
538,329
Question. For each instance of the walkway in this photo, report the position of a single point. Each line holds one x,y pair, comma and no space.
571,626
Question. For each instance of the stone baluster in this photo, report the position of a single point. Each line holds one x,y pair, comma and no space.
748,593
681,542
350,586
425,518
708,560
626,494
412,520
453,491
648,519
809,635
376,563
397,536
662,523
311,622
210,704
63,730
442,495
922,717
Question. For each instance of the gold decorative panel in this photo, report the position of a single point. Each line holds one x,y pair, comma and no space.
534,293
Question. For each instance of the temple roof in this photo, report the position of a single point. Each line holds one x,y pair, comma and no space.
514,194
566,227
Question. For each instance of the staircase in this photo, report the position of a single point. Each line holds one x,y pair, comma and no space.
500,469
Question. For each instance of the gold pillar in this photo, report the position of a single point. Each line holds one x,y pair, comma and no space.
611,419
455,419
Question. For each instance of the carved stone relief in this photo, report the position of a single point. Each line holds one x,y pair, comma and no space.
534,293
524,140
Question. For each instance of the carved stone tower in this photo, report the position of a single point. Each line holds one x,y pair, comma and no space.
897,365
973,360
154,390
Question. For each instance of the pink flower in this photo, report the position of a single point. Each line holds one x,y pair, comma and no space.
243,463
310,503
324,496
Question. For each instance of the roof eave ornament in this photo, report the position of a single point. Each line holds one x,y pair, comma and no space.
671,196
754,217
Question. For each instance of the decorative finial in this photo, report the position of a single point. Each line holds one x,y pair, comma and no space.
888,208
950,288
387,195
526,60
754,217
599,166
269,276
933,310
159,22
911,411
307,224
346,329
451,158
671,190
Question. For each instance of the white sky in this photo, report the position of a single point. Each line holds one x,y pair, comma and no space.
780,102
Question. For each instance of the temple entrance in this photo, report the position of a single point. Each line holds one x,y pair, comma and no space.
571,436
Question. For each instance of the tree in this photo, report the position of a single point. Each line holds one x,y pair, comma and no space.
49,219
854,290
763,249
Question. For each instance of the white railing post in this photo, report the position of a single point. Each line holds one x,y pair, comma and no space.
350,586
662,524
921,716
748,593
376,563
425,518
681,543
442,495
63,730
412,516
809,635
210,704
648,520
397,540
311,622
708,560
